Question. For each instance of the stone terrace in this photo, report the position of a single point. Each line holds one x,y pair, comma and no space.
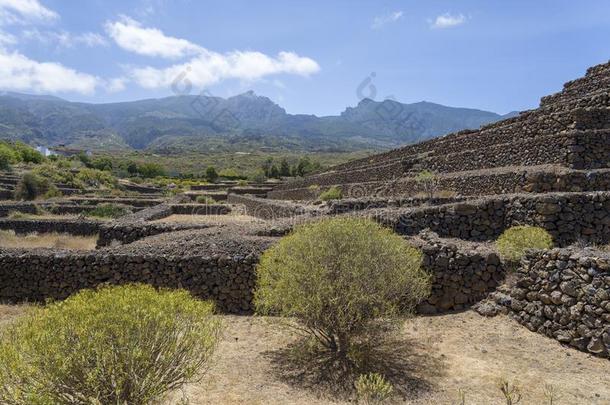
566,137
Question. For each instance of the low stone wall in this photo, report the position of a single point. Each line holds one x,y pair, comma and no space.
36,276
358,204
462,273
25,208
268,209
568,217
77,227
474,183
123,233
200,209
565,294
136,226
6,194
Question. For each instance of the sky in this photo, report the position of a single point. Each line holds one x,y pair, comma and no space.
309,56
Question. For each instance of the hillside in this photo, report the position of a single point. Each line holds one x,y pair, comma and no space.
244,122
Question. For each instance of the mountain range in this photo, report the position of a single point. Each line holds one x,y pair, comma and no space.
213,124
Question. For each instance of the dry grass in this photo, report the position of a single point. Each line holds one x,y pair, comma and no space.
8,239
439,356
211,219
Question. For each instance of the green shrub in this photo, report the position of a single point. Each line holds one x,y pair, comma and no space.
58,173
341,278
96,178
150,170
31,186
27,154
427,182
204,199
7,156
117,345
372,388
109,211
333,193
513,243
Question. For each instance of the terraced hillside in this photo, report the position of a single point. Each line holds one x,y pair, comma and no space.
564,145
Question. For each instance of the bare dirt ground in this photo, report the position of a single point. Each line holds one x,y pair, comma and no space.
8,239
436,358
212,219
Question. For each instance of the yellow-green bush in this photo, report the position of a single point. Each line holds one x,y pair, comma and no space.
373,388
340,278
117,345
333,193
513,243
204,199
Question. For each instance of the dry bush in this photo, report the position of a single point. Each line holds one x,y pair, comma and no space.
117,345
345,280
514,241
8,239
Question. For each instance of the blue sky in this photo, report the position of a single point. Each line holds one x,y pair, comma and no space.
313,57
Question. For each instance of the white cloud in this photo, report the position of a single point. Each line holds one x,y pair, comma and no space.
19,73
16,11
448,20
65,39
116,84
381,21
212,67
7,39
130,35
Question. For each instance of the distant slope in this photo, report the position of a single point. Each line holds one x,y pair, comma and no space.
243,122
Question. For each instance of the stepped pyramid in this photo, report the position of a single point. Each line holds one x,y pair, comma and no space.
563,145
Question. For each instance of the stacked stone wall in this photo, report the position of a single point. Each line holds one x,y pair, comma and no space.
268,209
568,217
461,274
36,276
75,227
565,294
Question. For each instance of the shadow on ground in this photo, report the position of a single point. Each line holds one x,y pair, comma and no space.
408,365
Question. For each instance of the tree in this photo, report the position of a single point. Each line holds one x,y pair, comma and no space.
284,168
343,279
150,170
267,166
210,174
274,172
428,182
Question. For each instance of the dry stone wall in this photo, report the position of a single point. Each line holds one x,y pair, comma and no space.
78,227
462,273
568,217
565,294
35,276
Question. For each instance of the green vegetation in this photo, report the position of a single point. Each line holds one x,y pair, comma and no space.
373,388
210,174
333,193
344,280
428,182
204,199
513,243
109,211
117,345
32,186
17,152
